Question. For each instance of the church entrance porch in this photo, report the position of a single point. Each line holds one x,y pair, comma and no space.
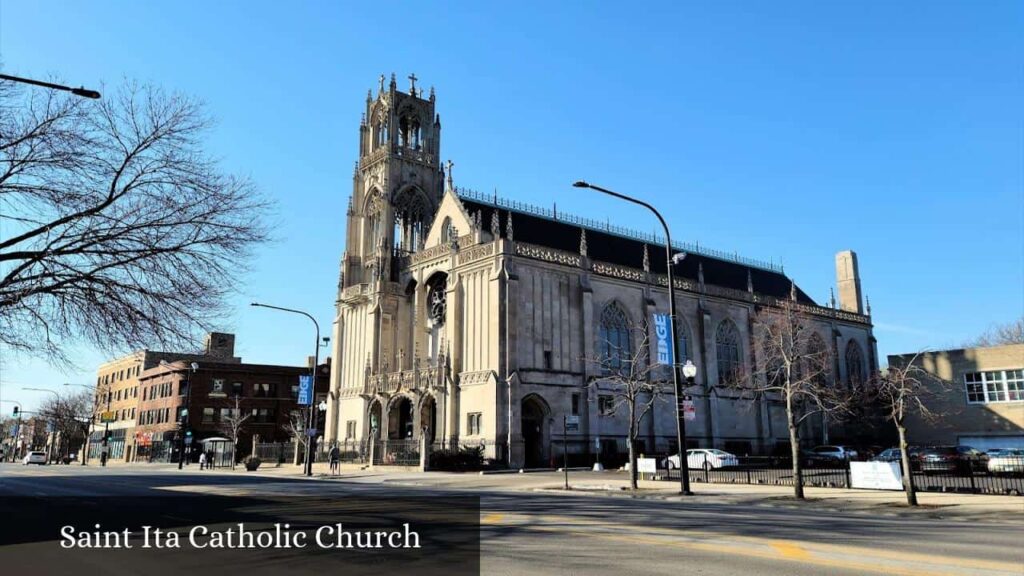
535,427
428,418
400,418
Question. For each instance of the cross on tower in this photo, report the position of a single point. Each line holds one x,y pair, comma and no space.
412,83
450,164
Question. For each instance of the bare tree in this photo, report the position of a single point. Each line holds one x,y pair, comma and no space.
69,416
796,368
296,427
232,424
116,228
901,391
628,377
1000,335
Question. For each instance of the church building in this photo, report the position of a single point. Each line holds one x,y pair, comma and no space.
471,319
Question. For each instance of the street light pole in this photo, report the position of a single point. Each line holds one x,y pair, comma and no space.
80,91
684,475
316,362
185,419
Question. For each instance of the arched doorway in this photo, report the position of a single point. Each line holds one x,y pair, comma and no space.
428,418
534,426
400,419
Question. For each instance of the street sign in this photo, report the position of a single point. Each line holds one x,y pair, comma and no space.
311,432
689,410
305,390
572,423
188,440
108,416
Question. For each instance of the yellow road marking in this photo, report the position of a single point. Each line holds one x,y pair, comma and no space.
790,550
804,552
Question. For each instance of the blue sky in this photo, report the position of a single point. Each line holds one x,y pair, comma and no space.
779,130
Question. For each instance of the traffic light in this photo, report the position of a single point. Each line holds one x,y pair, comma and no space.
188,433
16,409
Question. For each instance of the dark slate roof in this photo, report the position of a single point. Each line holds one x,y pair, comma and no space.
619,248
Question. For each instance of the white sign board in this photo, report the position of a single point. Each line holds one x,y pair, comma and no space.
647,465
572,423
876,475
689,410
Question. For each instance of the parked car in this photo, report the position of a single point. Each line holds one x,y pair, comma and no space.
34,458
830,454
888,455
703,458
960,459
893,455
1006,461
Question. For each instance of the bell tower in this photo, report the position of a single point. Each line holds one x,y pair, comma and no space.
397,184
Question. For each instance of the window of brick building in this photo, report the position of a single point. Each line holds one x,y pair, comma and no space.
994,386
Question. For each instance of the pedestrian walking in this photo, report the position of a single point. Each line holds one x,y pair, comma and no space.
335,459
202,460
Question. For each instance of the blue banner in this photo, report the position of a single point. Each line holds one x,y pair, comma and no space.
664,346
305,390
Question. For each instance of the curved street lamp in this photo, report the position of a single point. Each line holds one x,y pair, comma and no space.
80,91
684,476
316,363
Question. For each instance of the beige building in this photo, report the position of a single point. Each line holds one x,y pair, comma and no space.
467,317
982,401
117,392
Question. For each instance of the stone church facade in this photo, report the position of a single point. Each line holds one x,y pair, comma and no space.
469,318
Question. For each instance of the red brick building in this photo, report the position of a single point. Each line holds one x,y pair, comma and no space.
266,393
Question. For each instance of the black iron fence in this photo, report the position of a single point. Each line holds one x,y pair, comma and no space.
468,454
1004,475
349,452
274,453
390,452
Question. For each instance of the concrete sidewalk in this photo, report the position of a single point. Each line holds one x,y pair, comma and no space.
615,484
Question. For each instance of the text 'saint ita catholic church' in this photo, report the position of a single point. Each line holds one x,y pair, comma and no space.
470,318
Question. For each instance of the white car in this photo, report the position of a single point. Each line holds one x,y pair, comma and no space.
34,458
1006,461
703,458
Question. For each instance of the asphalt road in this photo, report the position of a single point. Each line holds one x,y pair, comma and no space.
545,533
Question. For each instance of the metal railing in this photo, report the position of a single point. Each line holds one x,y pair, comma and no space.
1004,476
349,452
609,228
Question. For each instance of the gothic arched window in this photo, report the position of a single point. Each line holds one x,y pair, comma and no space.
380,130
615,346
727,349
854,364
410,134
412,211
816,360
683,342
437,299
373,213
